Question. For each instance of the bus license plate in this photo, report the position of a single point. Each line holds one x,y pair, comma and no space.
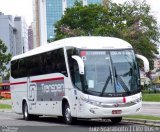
116,111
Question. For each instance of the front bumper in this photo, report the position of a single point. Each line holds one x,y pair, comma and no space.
91,111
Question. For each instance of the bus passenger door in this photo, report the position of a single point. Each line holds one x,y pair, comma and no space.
79,104
74,81
77,89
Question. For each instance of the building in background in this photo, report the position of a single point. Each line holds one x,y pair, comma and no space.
7,32
21,35
36,36
39,23
157,63
47,13
30,37
94,1
14,33
55,9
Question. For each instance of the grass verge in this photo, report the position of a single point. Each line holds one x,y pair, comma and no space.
151,97
5,106
146,117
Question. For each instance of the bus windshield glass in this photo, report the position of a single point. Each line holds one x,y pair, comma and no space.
110,73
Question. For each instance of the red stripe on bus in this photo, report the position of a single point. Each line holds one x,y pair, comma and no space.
49,79
124,99
17,83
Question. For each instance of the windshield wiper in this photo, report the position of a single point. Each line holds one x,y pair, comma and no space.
106,83
120,80
124,86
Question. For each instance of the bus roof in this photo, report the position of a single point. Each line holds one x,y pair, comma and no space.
83,42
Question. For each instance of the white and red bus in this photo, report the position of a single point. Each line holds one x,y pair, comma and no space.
79,77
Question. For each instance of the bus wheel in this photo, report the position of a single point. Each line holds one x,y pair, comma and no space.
116,120
26,115
67,115
60,118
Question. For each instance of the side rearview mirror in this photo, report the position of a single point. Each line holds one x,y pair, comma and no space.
80,63
145,62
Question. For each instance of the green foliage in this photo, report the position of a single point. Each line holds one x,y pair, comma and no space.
151,97
4,60
145,117
131,21
1,97
5,106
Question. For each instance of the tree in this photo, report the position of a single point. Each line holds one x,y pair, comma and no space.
4,60
130,21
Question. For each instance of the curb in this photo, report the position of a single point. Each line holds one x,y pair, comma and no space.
150,103
6,110
155,123
9,101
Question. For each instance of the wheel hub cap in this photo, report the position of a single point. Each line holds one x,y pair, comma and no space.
68,114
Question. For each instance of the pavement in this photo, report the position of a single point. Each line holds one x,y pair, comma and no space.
6,101
151,103
143,122
132,120
148,105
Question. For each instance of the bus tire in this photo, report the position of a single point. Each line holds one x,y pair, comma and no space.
68,119
116,120
26,115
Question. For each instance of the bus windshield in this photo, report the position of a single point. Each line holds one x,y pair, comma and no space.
110,73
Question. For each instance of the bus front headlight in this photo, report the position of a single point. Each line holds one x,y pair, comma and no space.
92,102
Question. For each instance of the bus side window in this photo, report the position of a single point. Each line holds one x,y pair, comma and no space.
14,68
60,63
18,68
22,70
33,67
54,62
48,63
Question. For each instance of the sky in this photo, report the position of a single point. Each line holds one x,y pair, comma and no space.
24,8
18,8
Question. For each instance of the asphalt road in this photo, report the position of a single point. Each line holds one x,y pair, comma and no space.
149,108
11,122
